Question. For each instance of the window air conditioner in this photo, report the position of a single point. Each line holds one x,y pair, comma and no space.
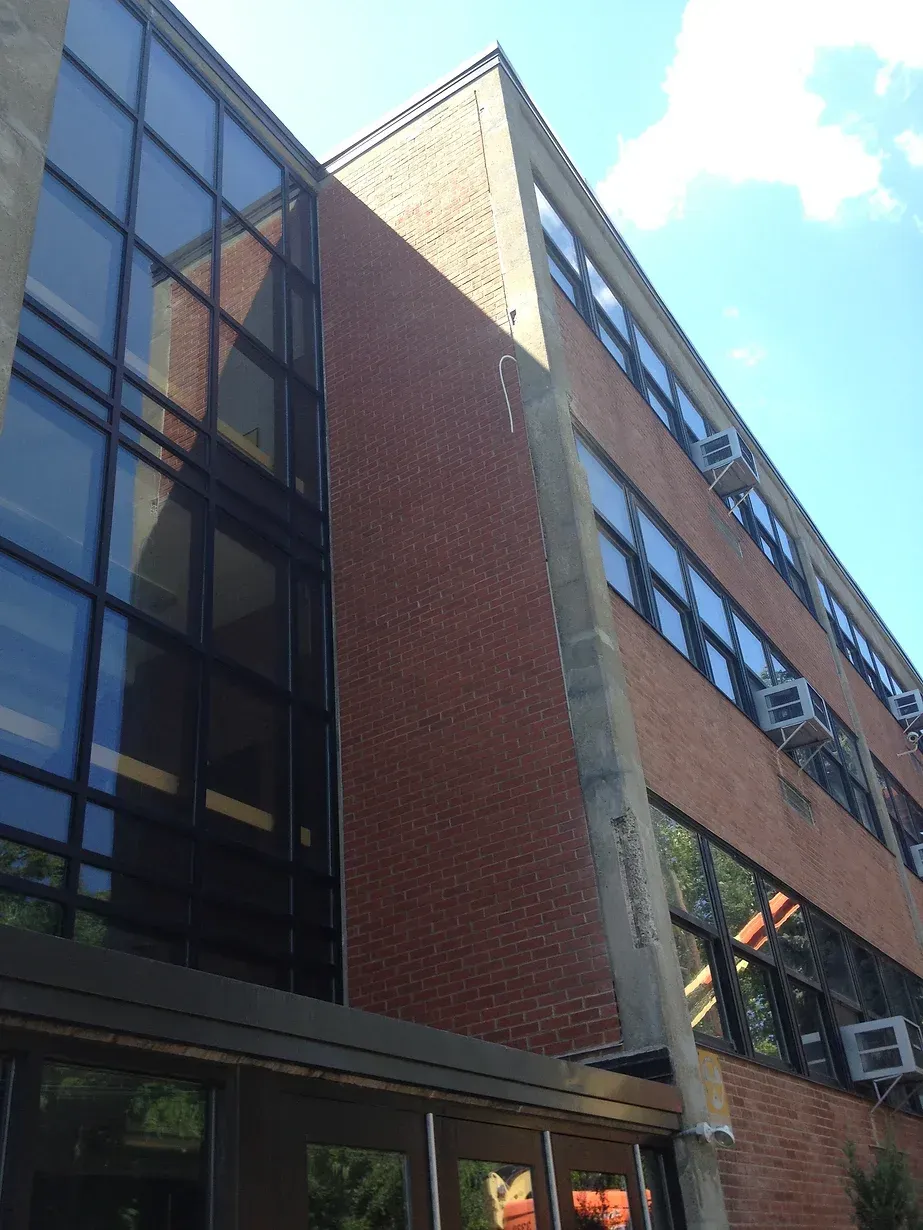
726,453
916,857
907,707
793,714
878,1050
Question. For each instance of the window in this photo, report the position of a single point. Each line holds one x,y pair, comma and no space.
662,555
771,537
618,568
854,645
906,816
153,693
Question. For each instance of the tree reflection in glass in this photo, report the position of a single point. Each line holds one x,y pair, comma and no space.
356,1189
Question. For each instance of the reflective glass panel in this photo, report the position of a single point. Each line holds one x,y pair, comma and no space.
304,331
792,932
68,353
617,568
653,363
29,863
23,358
144,733
721,671
33,808
681,863
310,675
809,1021
247,770
751,647
50,478
492,1193
179,432
306,442
835,780
91,139
118,1149
75,264
357,1189
180,111
662,555
108,39
251,400
760,1008
566,283
168,335
659,406
761,512
698,982
156,528
896,989
737,886
250,601
782,673
600,1200
300,234
849,752
175,215
606,301
43,628
692,417
710,606
671,621
619,353
30,913
555,228
871,991
152,848
607,494
252,285
833,958
251,181
238,876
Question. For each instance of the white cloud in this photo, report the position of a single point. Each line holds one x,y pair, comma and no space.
748,355
731,313
739,106
911,145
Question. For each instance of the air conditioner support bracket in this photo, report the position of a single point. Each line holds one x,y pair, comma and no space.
820,747
718,477
911,1089
788,738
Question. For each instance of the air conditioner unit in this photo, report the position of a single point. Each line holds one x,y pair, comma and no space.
916,857
878,1050
792,713
727,453
908,707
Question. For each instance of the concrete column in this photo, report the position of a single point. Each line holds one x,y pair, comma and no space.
633,901
31,38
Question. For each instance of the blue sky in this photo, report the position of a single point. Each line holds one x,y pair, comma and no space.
764,161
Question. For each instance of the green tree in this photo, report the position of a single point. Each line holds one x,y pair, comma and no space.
884,1195
356,1189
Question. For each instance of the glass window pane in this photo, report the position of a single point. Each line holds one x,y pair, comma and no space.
247,769
154,413
835,780
761,512
681,864
671,622
792,932
75,264
25,359
486,1188
175,215
251,400
300,229
91,139
662,556
102,931
50,479
754,654
156,530
896,989
760,1008
692,417
833,958
310,622
710,606
144,734
782,673
252,285
306,442
33,808
606,492
357,1189
652,362
43,629
849,752
567,284
134,897
153,848
606,301
304,330
600,1201
30,913
618,352
788,547
168,335
250,601
871,992
28,863
107,38
180,111
617,569
251,181
698,976
742,912
809,1021
68,353
721,671
555,228
659,406
118,1149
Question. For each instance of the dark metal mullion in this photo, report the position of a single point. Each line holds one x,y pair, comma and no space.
85,198
834,1043
736,1022
201,180
68,332
788,1021
56,394
199,468
177,276
692,619
648,606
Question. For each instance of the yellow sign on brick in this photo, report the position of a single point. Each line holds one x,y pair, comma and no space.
715,1094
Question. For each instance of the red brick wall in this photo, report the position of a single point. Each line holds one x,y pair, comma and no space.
471,898
787,1165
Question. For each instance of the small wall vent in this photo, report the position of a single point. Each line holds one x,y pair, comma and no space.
797,801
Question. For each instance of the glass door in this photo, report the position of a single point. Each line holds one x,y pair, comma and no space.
491,1177
597,1185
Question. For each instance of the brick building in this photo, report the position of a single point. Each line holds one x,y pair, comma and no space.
390,732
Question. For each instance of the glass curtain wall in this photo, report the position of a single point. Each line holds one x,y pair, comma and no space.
165,704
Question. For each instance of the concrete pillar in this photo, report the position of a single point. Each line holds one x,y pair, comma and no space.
31,38
636,916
